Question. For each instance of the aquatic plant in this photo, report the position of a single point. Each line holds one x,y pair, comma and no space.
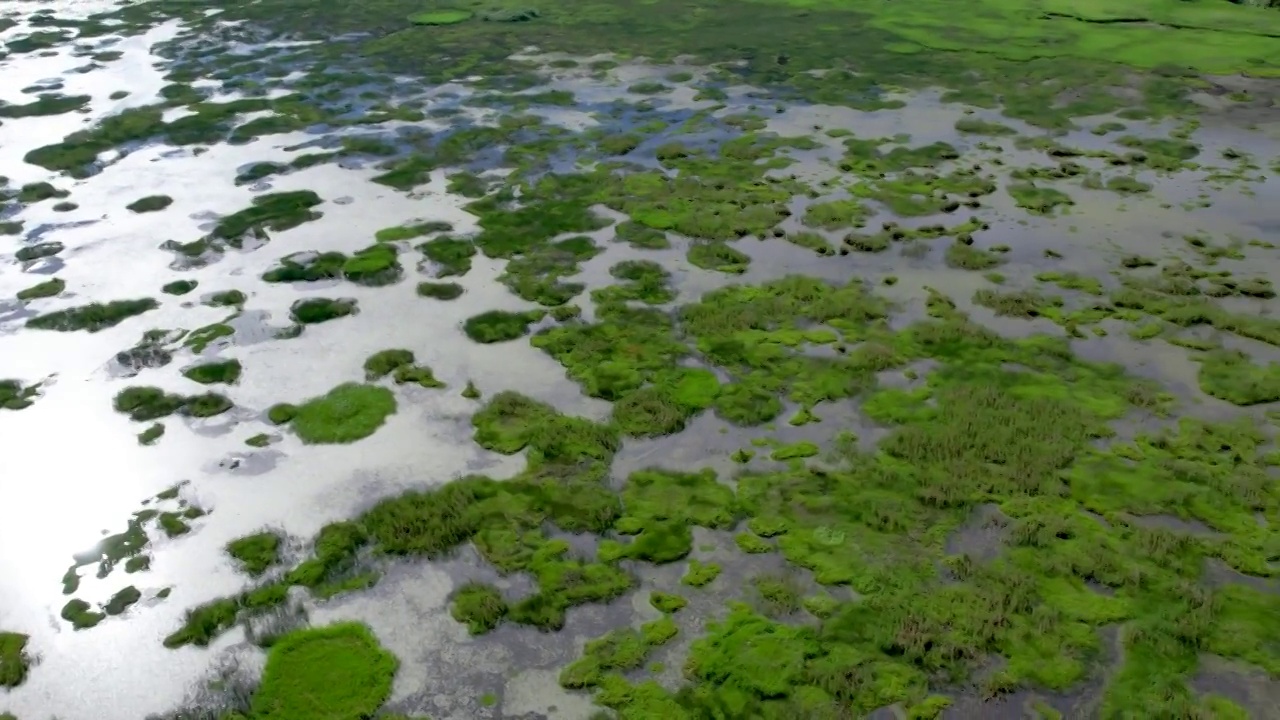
256,553
440,291
92,317
38,251
327,673
179,287
272,211
14,660
121,600
479,606
497,326
444,16
317,310
46,289
345,414
150,203
14,395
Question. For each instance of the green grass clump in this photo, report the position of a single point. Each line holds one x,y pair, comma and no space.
14,661
794,451
151,435
143,403
640,236
977,126
317,310
373,266
150,203
399,364
92,317
1038,200
282,413
1229,375
400,233
661,507
451,256
227,298
307,267
479,606
718,256
1072,281
667,602
1017,303
179,287
121,601
345,414
46,289
206,405
335,672
38,251
967,257
14,395
272,211
256,553
700,574
226,372
440,290
440,17
81,614
497,326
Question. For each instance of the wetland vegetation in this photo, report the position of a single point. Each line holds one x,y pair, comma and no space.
896,408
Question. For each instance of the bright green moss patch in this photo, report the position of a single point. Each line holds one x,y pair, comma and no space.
440,17
225,372
282,413
317,310
345,414
666,602
700,574
479,606
92,317
150,203
1231,376
616,651
14,661
46,289
307,267
497,326
256,553
451,256
336,672
373,266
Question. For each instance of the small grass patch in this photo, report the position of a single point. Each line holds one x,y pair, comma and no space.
440,17
179,287
150,203
92,317
256,553
14,661
336,672
225,372
440,290
48,288
497,326
345,414
312,311
479,606
718,256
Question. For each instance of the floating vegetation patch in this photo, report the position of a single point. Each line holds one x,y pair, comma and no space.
440,17
46,289
150,203
92,317
345,414
14,660
256,553
497,326
273,211
14,395
317,310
